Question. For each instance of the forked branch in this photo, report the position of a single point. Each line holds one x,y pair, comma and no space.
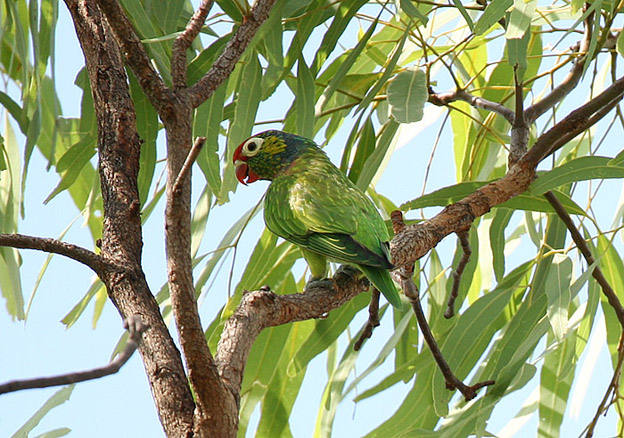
262,308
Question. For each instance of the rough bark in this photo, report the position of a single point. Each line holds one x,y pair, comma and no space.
119,146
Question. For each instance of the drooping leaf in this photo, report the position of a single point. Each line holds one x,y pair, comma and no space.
493,12
457,192
407,95
57,399
558,292
579,169
520,18
247,101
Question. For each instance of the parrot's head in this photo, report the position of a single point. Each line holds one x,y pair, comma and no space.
264,155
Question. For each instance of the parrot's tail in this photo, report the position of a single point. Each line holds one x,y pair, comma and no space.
382,280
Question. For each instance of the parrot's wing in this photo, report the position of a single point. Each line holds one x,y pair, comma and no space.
342,247
325,215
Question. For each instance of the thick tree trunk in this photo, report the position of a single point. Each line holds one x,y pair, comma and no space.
119,147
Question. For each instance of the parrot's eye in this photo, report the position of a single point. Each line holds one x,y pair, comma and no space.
252,147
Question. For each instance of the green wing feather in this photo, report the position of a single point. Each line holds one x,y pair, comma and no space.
315,206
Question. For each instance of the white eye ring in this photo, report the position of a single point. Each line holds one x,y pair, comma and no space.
252,146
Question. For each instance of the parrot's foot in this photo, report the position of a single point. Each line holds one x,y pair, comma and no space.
350,271
321,283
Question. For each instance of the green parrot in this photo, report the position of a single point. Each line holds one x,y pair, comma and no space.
312,204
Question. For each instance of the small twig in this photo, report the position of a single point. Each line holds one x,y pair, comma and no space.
467,252
443,99
188,164
53,246
225,63
135,329
398,224
582,118
581,244
452,382
520,129
568,83
184,41
611,390
373,320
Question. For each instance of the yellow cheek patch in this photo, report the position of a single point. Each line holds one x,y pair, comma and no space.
273,145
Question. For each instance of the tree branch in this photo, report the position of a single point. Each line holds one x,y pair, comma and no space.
184,41
263,308
188,163
53,246
135,54
225,63
119,148
452,382
457,275
612,391
519,128
574,123
414,241
568,83
372,322
581,244
135,329
443,99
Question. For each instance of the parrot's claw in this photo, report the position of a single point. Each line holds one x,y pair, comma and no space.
321,283
350,271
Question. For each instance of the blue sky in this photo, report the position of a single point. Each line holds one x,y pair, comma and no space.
121,405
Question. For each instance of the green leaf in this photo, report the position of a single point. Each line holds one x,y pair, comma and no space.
497,240
224,245
411,10
146,28
387,73
520,18
457,192
620,44
517,51
555,383
204,60
282,391
462,10
326,331
385,351
148,127
15,110
346,65
493,13
44,268
168,15
57,399
249,93
365,147
579,169
407,95
78,309
61,431
304,101
558,293
10,282
72,163
374,163
344,12
467,341
207,123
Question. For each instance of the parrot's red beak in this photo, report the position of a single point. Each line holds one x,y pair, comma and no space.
243,173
